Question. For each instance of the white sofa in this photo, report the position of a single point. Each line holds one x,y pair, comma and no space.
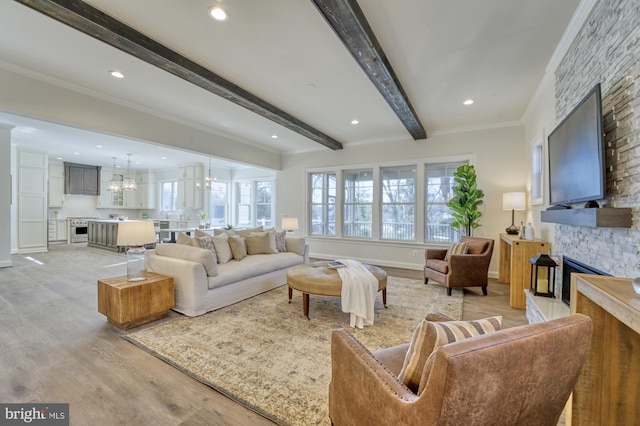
202,285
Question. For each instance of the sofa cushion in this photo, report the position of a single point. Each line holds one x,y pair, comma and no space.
457,248
194,254
223,250
200,233
238,247
295,245
183,238
476,246
253,266
429,336
261,243
207,243
437,265
244,232
281,244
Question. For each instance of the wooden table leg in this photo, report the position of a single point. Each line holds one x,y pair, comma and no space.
290,294
305,304
384,297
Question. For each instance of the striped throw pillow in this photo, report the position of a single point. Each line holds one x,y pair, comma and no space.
456,248
429,336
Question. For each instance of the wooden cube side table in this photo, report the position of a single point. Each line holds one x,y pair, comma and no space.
130,304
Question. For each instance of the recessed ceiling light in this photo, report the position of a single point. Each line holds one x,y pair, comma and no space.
58,158
98,146
76,153
218,13
274,136
116,74
468,102
355,122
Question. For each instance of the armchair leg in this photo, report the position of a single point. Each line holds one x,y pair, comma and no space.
449,291
426,280
484,290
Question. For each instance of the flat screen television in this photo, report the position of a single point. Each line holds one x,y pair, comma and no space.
576,155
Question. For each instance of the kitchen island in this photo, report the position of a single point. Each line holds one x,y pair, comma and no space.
103,233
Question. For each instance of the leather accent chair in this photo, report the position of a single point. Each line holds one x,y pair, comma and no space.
460,270
516,376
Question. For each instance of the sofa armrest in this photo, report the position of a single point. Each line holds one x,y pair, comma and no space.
353,370
189,279
438,254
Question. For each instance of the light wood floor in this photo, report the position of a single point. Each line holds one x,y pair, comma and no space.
56,347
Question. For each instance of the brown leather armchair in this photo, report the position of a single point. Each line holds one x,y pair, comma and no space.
460,270
517,376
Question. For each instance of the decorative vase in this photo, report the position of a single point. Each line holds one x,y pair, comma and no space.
529,232
636,285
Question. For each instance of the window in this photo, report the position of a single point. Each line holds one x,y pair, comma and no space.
218,204
323,203
169,196
263,204
398,202
358,203
537,172
254,203
439,189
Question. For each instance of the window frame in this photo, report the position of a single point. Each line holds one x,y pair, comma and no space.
376,237
326,197
350,208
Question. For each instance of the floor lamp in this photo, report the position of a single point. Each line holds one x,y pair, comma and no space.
513,201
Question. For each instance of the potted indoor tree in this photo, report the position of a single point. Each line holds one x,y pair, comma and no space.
466,199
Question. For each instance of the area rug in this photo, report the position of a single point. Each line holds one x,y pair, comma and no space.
264,354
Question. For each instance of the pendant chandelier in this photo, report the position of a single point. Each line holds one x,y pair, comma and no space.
114,183
129,183
208,180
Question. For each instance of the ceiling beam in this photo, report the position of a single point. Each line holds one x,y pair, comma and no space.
349,23
91,21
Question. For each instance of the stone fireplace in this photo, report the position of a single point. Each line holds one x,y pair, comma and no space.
606,50
569,266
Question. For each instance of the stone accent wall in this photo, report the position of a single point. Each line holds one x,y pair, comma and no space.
607,51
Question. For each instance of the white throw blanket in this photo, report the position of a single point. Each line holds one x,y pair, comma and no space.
359,288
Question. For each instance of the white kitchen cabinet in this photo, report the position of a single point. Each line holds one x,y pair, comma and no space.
190,186
56,185
58,231
147,190
108,199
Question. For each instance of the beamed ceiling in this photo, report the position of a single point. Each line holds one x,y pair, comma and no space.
298,70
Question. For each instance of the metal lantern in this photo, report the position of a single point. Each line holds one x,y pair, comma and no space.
543,275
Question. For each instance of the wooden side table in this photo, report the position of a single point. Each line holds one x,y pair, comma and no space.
130,304
515,267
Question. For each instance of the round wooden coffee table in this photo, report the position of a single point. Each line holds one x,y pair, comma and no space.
316,278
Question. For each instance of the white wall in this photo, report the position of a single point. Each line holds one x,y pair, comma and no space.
5,195
33,98
539,120
501,166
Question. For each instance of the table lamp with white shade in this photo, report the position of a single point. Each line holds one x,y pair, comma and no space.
134,234
290,224
513,201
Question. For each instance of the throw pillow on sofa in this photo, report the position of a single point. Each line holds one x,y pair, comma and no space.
429,336
281,244
261,243
238,247
207,243
223,250
183,238
295,245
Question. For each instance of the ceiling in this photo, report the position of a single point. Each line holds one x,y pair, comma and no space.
283,51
